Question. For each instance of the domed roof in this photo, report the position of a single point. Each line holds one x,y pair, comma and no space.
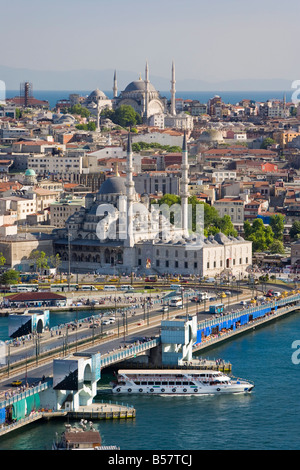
97,94
113,185
138,85
29,172
211,135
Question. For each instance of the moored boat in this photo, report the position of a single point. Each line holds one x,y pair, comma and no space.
80,438
178,382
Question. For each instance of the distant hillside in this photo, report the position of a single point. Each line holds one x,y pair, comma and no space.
103,79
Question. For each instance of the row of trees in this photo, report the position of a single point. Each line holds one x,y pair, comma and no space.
213,223
41,262
264,238
138,146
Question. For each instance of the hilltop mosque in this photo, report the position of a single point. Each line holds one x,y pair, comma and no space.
118,232
147,101
142,96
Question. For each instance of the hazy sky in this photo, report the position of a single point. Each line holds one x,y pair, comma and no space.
209,40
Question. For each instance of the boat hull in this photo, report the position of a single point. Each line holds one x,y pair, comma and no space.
197,390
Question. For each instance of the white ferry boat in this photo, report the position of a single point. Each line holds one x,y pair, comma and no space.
178,382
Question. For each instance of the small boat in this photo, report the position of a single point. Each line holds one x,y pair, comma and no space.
80,438
178,382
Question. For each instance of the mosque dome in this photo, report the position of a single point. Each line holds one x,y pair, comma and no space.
113,185
211,135
97,94
138,85
30,172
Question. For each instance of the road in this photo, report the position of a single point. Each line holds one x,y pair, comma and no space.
139,320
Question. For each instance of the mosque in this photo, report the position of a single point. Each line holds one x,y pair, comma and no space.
147,102
119,232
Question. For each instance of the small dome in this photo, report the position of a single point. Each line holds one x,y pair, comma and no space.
29,172
113,185
97,94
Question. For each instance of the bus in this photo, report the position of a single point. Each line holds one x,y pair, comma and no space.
63,287
91,287
151,279
217,308
23,288
176,302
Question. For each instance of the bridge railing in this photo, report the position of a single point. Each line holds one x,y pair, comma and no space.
116,356
6,400
248,311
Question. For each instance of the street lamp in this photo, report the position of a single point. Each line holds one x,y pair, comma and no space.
69,257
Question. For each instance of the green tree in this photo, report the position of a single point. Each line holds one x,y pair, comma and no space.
226,226
262,237
295,230
2,259
277,247
124,116
55,261
267,142
277,226
80,110
10,277
40,259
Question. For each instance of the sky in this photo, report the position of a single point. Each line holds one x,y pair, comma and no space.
208,40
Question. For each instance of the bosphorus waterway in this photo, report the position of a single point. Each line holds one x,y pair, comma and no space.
266,419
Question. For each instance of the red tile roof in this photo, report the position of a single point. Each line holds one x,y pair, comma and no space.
34,296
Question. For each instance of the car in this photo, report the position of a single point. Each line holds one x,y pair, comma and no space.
164,309
16,383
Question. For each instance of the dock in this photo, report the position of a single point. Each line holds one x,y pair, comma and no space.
95,411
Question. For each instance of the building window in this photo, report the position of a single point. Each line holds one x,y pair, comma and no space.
186,264
176,264
157,262
207,265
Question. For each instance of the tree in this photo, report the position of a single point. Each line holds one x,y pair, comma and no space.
277,247
277,226
262,237
78,109
10,277
295,230
267,143
226,226
2,259
55,261
90,126
40,259
124,116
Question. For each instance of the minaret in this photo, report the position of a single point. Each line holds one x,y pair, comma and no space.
115,87
146,91
173,91
98,115
129,194
184,187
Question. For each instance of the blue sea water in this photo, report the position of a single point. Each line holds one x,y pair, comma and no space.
232,97
266,419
